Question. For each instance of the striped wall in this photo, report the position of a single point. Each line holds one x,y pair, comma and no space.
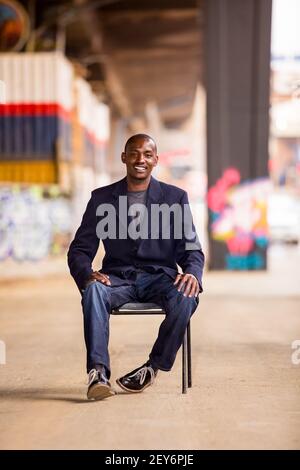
50,118
93,118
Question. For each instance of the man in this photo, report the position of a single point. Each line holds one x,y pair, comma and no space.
144,242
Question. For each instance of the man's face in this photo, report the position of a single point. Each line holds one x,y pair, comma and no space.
140,158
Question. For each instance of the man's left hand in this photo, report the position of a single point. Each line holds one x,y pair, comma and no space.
191,284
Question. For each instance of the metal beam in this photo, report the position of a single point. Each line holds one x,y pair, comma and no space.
115,87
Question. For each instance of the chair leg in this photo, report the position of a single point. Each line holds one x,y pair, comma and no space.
184,363
189,355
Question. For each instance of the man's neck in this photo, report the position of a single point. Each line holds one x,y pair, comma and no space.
137,185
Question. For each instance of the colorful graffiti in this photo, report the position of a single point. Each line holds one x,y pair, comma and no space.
238,214
33,224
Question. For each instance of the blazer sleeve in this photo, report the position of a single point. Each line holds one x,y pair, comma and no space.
84,247
189,254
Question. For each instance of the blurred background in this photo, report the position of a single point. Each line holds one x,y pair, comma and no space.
217,84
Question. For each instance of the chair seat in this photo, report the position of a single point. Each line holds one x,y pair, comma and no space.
138,307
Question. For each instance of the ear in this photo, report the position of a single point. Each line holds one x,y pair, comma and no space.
156,160
123,157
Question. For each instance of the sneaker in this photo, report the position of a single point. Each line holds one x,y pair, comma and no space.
98,385
139,379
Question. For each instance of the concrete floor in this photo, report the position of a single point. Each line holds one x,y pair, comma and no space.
246,391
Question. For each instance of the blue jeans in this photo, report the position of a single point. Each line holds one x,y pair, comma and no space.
98,300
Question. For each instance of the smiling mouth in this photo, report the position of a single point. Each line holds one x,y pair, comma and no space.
140,168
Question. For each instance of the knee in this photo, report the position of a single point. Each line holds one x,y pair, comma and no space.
95,290
189,304
182,304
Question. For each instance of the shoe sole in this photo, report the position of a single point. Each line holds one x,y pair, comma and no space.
99,392
129,389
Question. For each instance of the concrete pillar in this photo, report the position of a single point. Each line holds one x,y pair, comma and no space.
237,80
118,137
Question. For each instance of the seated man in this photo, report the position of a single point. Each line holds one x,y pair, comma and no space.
147,230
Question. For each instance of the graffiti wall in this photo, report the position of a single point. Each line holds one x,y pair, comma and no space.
33,223
238,219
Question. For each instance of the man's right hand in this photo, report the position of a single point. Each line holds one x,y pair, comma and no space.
96,276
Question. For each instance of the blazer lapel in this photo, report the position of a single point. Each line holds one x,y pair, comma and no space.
121,190
155,196
154,192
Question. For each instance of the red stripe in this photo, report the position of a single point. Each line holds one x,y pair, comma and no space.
34,109
45,109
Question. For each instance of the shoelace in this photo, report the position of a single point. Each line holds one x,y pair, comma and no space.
93,375
143,372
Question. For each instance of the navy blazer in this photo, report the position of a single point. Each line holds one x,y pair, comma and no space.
125,256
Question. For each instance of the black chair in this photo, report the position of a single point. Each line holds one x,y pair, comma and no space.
137,308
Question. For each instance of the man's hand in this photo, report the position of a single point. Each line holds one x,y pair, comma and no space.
191,284
96,276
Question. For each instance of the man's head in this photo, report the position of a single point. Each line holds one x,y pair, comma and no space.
140,156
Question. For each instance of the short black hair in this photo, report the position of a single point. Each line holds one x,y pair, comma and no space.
135,137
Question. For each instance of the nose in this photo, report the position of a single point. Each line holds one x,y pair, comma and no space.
140,158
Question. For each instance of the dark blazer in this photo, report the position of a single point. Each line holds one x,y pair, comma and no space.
124,256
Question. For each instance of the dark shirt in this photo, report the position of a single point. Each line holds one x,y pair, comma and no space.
136,197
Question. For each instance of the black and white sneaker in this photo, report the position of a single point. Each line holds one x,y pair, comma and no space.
98,385
137,380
